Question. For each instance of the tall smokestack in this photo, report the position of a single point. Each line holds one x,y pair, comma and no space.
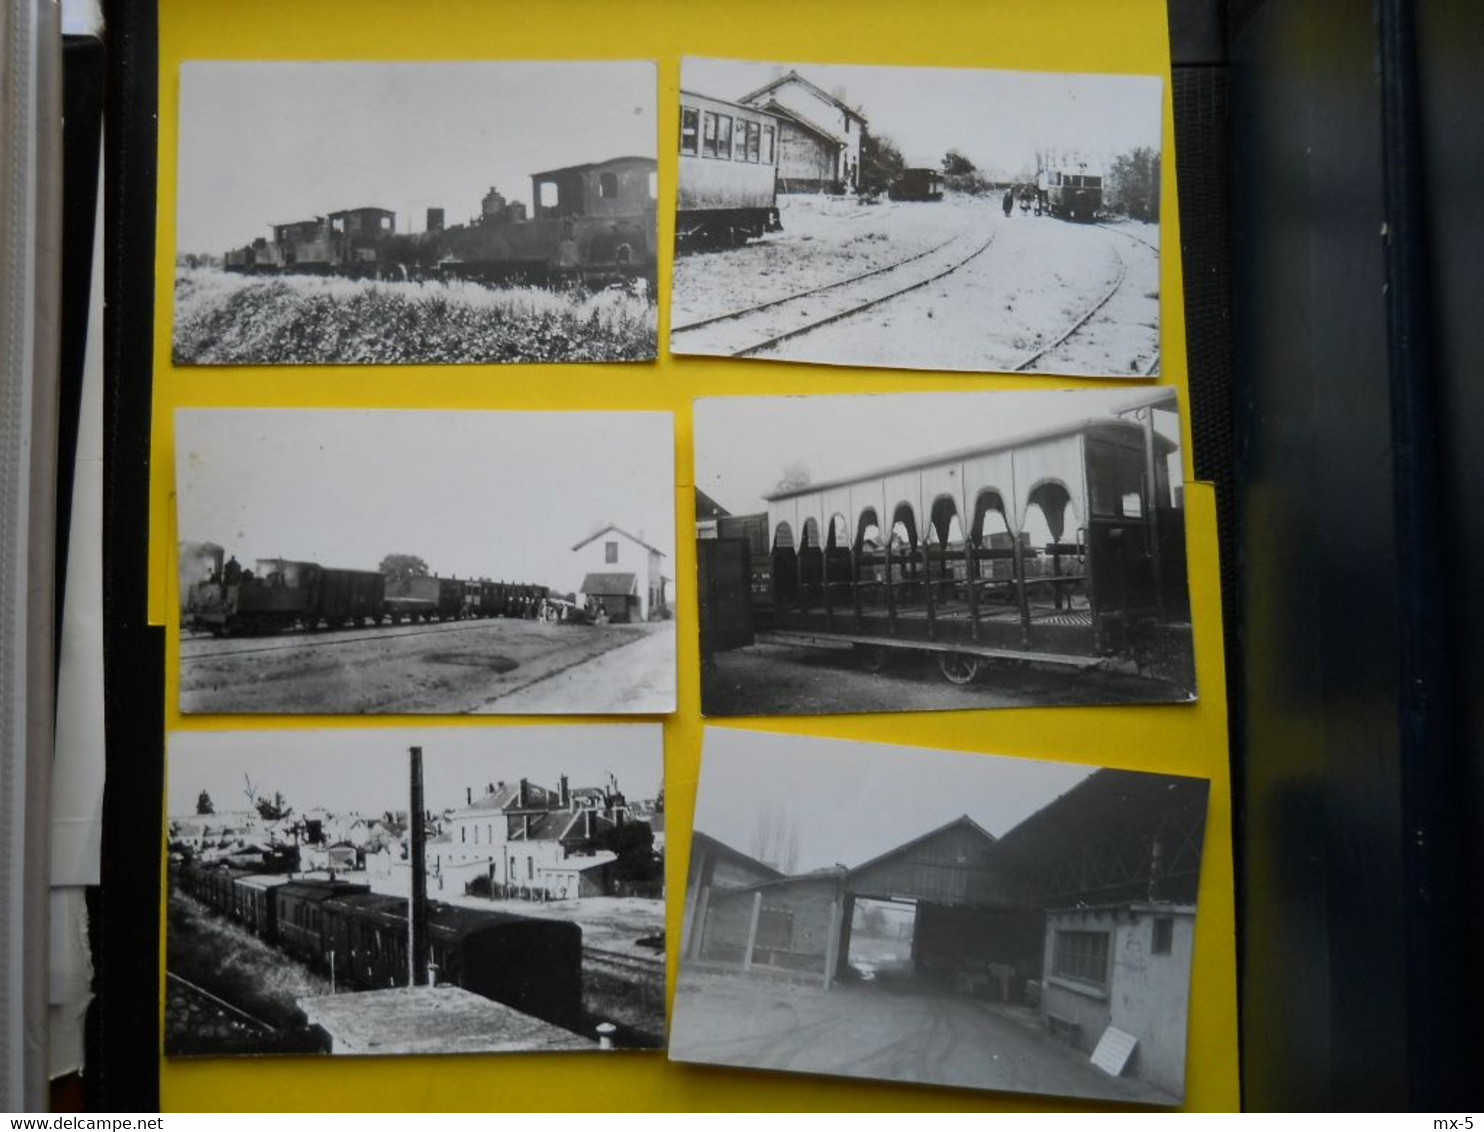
417,904
468,795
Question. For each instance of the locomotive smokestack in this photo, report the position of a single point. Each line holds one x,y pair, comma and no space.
435,220
417,903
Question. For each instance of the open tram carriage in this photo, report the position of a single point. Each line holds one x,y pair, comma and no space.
1063,546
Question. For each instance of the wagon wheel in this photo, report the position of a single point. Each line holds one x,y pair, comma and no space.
960,668
872,658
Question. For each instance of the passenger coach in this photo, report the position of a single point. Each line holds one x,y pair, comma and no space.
728,172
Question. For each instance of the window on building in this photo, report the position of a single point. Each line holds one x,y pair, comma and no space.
775,929
768,145
610,552
608,186
476,835
754,142
1082,957
463,834
1164,935
708,134
690,125
530,868
724,136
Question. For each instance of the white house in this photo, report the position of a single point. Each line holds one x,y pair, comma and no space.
621,573
819,139
531,840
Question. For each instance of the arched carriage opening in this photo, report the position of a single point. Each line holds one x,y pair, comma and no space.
811,564
839,562
785,564
1054,539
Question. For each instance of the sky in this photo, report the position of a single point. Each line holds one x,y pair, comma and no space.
743,444
266,143
365,770
999,119
851,801
502,495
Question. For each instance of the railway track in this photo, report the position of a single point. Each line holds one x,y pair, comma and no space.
300,638
628,964
1085,318
768,324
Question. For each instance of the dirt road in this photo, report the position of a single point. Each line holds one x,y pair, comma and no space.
900,1032
637,678
776,679
459,667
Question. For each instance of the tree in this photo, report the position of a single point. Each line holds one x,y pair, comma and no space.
1132,184
775,839
274,809
955,164
633,844
881,162
203,804
794,475
400,567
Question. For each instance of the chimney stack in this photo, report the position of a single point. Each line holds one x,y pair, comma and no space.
564,797
521,799
468,795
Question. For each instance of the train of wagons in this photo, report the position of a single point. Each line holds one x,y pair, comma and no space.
277,594
360,937
594,222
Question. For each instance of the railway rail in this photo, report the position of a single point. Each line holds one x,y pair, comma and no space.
300,638
774,312
234,1013
620,961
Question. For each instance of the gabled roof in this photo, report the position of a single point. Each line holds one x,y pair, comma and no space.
704,841
800,120
609,585
796,78
965,821
616,529
708,508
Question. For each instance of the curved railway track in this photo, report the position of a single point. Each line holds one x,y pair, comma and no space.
1088,313
776,311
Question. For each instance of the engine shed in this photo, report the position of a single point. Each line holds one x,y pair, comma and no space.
1083,912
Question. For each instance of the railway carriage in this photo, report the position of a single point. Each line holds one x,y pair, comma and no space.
1074,194
425,598
728,172
303,929
936,555
917,185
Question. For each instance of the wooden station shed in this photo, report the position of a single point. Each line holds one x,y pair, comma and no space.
1085,908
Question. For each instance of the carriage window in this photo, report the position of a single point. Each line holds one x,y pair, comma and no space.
608,186
386,222
1132,505
724,137
689,129
708,135
550,196
768,145
754,141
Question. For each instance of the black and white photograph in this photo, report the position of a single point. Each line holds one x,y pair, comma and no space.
365,213
379,561
458,890
939,918
919,217
941,551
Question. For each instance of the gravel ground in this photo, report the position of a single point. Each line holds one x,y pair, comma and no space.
459,667
771,679
886,1030
1037,278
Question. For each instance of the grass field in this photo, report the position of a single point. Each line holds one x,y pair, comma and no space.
247,320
